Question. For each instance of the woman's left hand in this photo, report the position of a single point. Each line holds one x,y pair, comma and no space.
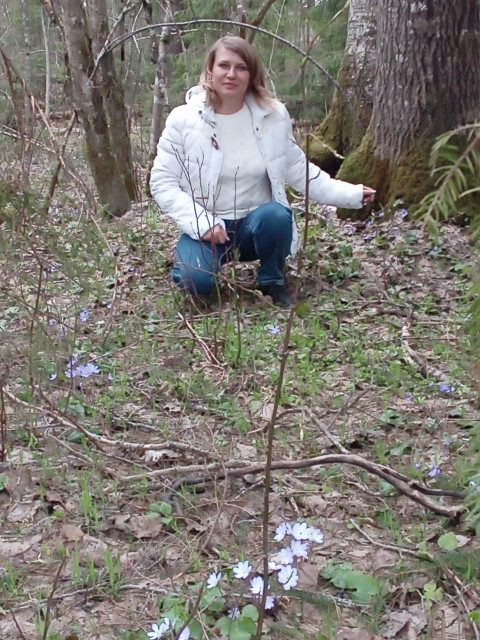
368,195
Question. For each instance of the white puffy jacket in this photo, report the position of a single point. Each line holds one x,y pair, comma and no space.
187,167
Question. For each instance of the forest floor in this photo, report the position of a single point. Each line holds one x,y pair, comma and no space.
136,433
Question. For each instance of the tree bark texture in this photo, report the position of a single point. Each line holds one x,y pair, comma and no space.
29,115
89,105
160,107
113,96
356,78
426,83
48,68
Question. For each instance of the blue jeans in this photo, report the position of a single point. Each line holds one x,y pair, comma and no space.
265,234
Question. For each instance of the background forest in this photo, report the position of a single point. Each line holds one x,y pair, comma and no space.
160,456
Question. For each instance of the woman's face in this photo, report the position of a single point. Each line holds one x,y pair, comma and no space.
230,77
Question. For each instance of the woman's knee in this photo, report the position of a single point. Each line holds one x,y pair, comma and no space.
195,281
274,215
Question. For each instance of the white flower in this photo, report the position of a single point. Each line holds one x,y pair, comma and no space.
213,579
274,566
300,531
281,531
233,613
160,630
155,633
299,548
256,585
269,602
315,535
284,556
242,569
185,635
288,577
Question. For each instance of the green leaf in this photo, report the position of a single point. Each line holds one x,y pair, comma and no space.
209,595
448,541
250,611
225,625
164,508
3,482
242,629
431,591
385,488
364,586
400,448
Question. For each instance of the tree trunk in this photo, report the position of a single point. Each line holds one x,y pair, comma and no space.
339,131
27,70
48,68
426,83
160,106
89,106
113,96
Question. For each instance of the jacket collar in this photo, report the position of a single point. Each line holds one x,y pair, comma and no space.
197,95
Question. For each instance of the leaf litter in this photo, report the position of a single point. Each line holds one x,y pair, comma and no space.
180,374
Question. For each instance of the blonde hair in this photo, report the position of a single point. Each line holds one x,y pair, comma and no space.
247,53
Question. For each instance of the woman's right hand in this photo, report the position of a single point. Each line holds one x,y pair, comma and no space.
216,235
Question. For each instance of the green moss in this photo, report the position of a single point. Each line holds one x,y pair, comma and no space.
406,178
339,129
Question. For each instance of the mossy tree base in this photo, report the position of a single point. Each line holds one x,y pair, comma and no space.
406,178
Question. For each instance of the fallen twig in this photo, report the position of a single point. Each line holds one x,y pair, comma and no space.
404,485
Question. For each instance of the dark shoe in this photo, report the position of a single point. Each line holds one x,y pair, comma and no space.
278,293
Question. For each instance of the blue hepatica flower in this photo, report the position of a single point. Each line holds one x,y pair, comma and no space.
273,329
84,314
81,370
445,387
380,214
434,471
403,213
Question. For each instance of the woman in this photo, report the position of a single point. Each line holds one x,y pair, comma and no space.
222,164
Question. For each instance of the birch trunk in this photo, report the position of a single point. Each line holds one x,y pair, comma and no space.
339,131
48,68
426,83
160,106
27,70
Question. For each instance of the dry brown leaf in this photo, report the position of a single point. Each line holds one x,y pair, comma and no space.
23,511
315,503
12,549
411,620
71,533
144,527
384,558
